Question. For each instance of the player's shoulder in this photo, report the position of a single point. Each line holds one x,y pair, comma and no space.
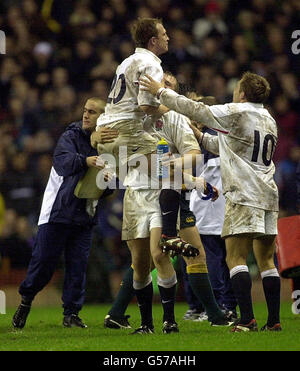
246,107
232,108
228,108
175,117
176,121
145,61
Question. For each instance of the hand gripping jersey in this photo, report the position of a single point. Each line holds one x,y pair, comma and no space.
247,136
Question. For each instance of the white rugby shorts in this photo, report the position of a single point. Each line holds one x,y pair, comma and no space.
141,213
247,219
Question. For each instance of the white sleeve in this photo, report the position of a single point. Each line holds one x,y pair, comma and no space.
144,97
211,143
210,116
181,133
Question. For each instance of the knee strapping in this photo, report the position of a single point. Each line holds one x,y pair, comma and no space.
196,268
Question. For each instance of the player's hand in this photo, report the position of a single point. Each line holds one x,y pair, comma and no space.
93,161
103,135
167,158
174,163
198,134
215,195
149,84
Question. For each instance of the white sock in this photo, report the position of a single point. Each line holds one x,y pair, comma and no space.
269,273
238,269
140,285
167,282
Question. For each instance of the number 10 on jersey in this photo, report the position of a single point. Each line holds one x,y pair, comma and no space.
267,148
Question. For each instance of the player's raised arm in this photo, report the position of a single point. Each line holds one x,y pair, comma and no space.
208,141
151,110
196,111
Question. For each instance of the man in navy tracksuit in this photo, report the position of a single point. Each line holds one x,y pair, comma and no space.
65,225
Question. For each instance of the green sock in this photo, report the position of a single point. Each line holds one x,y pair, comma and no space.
125,295
201,287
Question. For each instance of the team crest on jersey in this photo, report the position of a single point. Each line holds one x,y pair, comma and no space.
159,124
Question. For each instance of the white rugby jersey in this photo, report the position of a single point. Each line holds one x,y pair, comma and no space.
125,97
174,128
247,136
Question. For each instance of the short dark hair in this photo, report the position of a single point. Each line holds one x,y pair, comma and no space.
256,88
143,29
209,100
101,103
169,73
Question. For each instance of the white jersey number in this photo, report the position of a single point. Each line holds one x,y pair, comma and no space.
118,81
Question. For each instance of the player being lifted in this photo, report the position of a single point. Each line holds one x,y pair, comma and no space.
247,136
126,107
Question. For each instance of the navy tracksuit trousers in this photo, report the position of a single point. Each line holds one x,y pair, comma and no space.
218,272
52,240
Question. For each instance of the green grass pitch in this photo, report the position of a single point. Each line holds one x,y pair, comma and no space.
44,332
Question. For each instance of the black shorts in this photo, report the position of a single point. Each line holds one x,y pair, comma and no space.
187,218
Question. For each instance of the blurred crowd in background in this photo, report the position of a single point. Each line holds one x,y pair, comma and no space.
59,53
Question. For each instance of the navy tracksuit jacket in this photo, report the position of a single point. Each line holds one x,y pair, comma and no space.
64,224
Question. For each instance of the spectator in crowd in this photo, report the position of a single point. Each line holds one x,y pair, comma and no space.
21,187
16,240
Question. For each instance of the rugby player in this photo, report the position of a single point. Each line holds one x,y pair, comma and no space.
247,136
126,108
142,229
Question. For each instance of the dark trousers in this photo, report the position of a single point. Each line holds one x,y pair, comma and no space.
218,272
51,241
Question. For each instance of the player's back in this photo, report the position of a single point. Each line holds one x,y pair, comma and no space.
246,152
125,97
252,134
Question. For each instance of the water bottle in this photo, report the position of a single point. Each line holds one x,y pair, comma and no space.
161,149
